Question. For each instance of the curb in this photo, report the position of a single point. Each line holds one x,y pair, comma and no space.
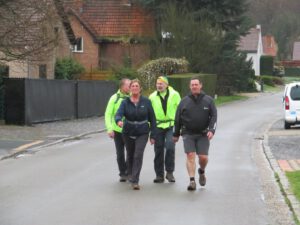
293,203
38,148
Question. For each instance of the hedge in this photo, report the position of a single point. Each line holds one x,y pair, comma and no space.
266,65
181,82
292,71
271,80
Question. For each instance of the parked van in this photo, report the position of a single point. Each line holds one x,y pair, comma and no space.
291,104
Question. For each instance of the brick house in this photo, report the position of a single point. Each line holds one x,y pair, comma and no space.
42,64
109,32
98,34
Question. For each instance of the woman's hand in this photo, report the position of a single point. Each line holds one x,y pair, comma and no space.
120,123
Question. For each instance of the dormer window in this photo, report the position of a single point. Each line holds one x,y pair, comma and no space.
78,47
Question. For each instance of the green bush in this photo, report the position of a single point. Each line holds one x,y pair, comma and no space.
68,69
149,72
181,82
292,71
268,80
123,72
266,65
271,80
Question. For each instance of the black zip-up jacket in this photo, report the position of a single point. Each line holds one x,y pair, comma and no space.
195,115
137,117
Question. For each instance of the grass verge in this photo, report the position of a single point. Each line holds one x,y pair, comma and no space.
288,202
276,88
226,99
294,179
290,79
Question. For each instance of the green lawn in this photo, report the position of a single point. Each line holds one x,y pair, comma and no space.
268,88
294,180
225,99
290,79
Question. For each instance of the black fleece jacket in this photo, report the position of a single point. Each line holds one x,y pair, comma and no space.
195,115
139,119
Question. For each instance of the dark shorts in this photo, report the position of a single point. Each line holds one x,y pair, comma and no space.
195,143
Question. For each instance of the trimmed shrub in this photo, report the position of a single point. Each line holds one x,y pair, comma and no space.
268,80
266,65
181,83
68,69
271,80
292,71
149,72
123,72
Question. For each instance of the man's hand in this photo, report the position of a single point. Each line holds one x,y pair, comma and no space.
175,139
111,134
210,135
120,123
152,141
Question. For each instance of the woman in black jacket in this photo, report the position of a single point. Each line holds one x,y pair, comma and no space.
139,122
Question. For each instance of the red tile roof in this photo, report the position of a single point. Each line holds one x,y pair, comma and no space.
113,18
269,45
249,43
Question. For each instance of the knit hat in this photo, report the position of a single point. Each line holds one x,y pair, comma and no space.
163,79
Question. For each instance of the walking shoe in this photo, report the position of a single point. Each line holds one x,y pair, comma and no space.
170,177
159,179
123,178
202,178
192,186
135,186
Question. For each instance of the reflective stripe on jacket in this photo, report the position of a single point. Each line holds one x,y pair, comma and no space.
165,120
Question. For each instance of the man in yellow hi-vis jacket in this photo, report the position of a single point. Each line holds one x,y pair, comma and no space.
113,130
164,101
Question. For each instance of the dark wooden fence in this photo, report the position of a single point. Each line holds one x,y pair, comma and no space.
29,101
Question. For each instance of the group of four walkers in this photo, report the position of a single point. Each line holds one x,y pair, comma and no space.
131,119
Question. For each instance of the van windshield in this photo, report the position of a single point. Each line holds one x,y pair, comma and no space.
295,93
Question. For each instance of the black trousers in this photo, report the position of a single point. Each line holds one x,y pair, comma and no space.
120,151
135,153
164,149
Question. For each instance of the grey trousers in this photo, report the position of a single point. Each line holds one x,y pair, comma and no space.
135,153
164,149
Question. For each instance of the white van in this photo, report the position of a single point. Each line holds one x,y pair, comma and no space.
291,104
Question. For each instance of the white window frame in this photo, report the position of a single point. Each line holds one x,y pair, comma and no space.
74,49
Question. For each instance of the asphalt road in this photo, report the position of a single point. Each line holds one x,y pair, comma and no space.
76,182
285,144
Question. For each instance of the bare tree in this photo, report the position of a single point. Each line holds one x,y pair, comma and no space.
28,29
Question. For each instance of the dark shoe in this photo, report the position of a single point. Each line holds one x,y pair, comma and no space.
123,178
135,187
159,180
202,178
170,177
192,186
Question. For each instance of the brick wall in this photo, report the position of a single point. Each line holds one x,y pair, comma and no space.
89,57
112,54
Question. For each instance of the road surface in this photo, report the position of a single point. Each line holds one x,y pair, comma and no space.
76,182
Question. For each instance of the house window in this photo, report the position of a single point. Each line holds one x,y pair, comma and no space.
78,47
43,71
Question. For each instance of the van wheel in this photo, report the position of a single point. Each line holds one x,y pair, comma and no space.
287,125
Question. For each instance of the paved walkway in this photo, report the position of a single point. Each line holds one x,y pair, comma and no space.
47,133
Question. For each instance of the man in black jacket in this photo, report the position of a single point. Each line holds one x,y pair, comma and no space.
196,119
